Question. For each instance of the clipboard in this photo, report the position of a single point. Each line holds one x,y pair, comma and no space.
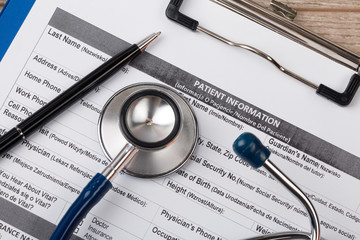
14,13
12,17
111,47
288,29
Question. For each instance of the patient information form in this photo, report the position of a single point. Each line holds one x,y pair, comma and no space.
216,195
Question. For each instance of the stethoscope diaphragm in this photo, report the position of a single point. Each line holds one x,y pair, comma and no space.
157,121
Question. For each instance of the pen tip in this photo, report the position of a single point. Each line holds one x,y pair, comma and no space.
144,43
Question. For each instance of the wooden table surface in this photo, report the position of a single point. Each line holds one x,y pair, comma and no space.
336,20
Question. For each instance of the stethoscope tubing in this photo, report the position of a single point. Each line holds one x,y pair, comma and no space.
92,193
96,189
247,146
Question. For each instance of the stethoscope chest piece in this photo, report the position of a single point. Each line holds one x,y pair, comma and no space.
157,121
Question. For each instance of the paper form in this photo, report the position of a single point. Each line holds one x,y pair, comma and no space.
215,195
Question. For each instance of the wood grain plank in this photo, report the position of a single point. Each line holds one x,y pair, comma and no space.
317,4
335,20
342,29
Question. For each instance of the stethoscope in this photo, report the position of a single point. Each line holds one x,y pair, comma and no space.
149,130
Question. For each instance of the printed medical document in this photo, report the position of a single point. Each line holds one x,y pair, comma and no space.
216,195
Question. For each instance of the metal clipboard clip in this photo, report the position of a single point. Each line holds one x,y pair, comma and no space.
282,25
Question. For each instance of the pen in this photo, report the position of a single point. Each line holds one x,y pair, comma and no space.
74,93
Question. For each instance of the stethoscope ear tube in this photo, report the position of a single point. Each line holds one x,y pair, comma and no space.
250,149
89,197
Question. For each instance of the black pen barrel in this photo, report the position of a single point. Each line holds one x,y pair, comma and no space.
78,90
68,97
9,139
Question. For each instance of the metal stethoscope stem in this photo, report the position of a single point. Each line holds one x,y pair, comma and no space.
315,226
119,162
